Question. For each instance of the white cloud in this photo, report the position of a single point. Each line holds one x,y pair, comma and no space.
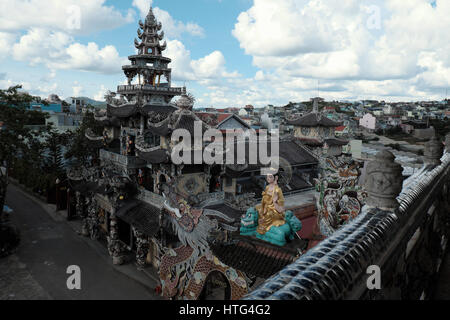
57,50
172,28
77,89
70,16
292,41
6,42
50,27
210,67
100,96
143,6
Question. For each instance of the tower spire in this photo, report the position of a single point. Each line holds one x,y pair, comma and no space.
150,36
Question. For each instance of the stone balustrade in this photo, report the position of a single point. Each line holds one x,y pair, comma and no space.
403,231
148,88
127,162
151,197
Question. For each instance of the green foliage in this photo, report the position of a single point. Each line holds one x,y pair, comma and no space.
80,149
53,163
29,149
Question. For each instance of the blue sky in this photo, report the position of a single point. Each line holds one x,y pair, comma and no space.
235,52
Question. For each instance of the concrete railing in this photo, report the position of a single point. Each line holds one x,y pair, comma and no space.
403,242
128,162
151,197
149,88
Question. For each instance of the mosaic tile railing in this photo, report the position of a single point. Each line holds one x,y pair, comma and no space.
124,161
407,244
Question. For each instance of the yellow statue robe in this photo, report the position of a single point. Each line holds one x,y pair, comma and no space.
269,216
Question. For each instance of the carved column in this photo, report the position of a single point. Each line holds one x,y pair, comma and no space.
93,220
384,181
142,247
78,205
84,218
114,246
433,152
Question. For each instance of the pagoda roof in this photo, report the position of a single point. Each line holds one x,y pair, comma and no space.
141,215
160,130
314,119
154,157
164,110
148,57
186,120
335,142
124,111
289,149
310,142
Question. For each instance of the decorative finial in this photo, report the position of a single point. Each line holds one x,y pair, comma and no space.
384,181
447,143
315,105
150,19
433,151
186,101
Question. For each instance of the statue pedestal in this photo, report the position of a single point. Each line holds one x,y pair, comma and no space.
276,235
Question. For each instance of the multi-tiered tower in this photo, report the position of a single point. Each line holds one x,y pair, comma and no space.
149,89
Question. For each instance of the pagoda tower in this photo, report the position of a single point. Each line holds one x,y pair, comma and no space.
149,77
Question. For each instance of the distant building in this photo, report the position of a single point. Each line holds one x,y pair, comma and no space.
368,122
64,122
341,130
318,132
50,108
250,109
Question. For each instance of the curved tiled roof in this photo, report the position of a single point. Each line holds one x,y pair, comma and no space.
335,142
161,130
253,257
165,110
124,111
154,157
314,120
143,216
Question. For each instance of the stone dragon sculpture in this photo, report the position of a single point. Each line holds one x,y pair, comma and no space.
193,226
340,198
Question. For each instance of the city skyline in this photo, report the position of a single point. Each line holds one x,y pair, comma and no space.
248,56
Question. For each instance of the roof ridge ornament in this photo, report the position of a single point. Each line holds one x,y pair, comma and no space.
150,19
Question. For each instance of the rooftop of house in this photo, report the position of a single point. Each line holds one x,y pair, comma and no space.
314,119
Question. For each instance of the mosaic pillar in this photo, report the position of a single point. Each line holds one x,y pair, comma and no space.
84,218
433,152
114,246
384,181
78,205
93,220
142,247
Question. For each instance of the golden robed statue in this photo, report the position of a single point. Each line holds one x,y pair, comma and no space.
271,210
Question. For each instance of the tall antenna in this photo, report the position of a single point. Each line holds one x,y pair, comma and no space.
318,88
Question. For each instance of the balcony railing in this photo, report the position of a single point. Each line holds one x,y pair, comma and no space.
405,244
151,197
128,162
148,88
